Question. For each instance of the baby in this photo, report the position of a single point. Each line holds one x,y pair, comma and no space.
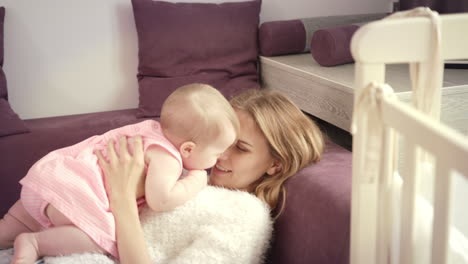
64,207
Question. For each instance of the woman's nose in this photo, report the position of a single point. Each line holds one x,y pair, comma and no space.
225,154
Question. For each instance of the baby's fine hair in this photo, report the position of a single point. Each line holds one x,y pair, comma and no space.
197,112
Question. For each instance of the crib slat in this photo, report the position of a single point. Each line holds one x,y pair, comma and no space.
440,231
385,195
408,201
364,184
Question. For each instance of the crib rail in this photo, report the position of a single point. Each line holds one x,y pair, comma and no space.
410,44
375,154
450,150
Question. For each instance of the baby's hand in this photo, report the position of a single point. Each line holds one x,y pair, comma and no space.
200,175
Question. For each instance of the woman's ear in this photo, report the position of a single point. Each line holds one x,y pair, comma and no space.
275,167
186,149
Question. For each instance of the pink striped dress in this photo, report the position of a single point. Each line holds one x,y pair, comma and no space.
71,180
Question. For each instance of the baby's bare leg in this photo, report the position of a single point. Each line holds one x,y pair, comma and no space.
76,241
56,217
16,221
30,246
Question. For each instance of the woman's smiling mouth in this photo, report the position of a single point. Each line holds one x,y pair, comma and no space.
219,167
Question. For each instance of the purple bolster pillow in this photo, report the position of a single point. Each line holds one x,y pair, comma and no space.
282,37
331,46
294,36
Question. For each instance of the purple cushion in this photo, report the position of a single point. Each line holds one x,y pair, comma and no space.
331,46
282,37
315,225
182,43
10,123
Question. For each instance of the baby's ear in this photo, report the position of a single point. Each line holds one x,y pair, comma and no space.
186,149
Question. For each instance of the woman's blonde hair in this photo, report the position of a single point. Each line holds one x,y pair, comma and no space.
294,140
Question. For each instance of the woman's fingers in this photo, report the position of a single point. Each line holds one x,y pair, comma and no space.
138,148
101,160
123,149
106,167
111,151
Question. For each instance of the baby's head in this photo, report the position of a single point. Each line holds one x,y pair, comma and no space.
200,122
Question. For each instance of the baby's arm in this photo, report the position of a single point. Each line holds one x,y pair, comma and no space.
163,189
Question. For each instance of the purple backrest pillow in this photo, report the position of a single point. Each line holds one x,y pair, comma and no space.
181,43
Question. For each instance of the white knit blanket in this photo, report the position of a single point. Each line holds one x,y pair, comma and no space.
217,226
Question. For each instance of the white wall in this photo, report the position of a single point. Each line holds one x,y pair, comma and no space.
66,57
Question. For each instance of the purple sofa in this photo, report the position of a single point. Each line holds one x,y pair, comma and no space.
21,151
314,227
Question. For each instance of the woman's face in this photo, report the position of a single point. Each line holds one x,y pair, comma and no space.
246,161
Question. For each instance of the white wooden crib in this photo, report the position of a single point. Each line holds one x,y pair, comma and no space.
380,234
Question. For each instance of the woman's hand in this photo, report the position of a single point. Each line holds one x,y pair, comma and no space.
124,172
124,175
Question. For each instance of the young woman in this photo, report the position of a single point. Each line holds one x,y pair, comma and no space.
275,141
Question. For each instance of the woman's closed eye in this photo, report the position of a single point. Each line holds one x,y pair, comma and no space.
243,146
240,148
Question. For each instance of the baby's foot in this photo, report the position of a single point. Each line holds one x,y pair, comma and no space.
26,250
